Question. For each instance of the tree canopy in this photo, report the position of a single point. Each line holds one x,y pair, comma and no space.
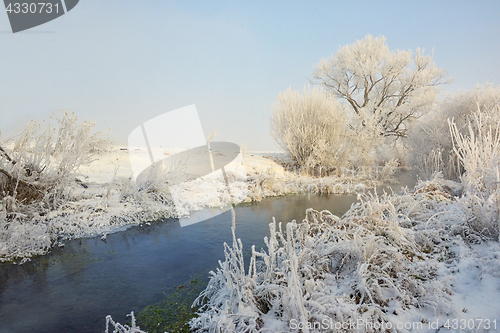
386,89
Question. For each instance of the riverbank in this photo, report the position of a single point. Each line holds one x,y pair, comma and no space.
73,288
105,199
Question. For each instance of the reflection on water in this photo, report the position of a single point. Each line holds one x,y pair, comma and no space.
73,288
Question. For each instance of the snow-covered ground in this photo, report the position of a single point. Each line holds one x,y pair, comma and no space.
116,163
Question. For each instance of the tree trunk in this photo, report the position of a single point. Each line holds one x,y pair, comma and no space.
10,185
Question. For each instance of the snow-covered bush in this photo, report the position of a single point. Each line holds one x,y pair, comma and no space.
479,154
43,161
378,261
312,128
267,183
461,139
430,143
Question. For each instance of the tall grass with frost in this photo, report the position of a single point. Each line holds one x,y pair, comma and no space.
430,142
362,266
479,154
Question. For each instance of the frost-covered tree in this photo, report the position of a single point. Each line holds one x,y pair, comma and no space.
311,128
386,90
430,140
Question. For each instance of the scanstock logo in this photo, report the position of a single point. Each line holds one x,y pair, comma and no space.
171,150
26,14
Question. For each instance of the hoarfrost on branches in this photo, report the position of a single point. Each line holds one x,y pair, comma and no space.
430,142
386,90
311,128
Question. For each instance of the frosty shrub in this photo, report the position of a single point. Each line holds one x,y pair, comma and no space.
430,143
43,161
312,128
386,90
267,183
479,154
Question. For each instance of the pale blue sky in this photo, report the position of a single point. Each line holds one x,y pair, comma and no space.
121,63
